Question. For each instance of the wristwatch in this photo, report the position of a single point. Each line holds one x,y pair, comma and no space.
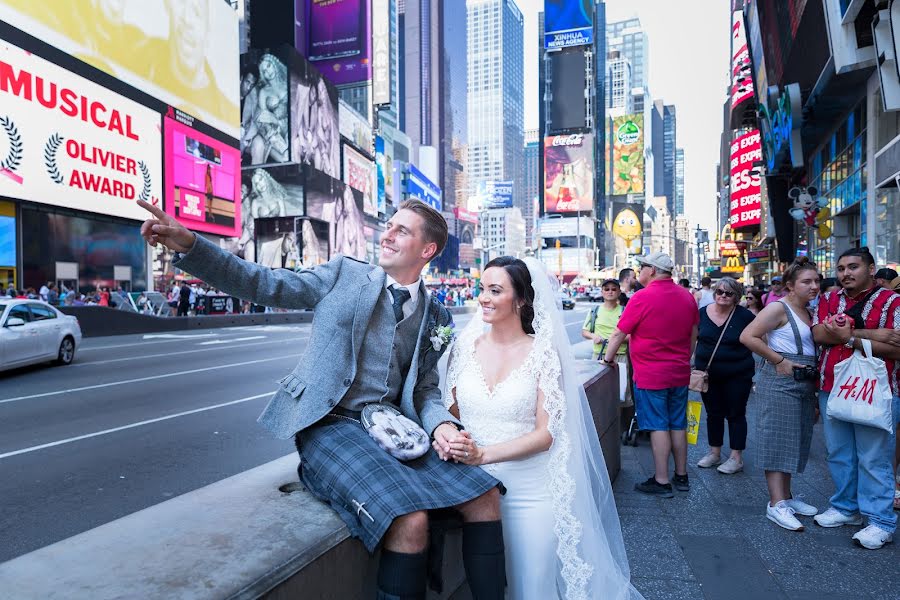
850,342
608,362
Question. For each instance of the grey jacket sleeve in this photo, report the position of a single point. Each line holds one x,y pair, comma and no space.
429,403
278,288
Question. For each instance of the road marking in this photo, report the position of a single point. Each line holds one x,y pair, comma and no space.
139,379
166,354
143,343
131,426
243,339
179,336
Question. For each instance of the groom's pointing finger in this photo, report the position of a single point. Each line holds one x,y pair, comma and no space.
154,210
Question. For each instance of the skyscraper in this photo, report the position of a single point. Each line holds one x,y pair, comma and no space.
670,123
532,181
679,181
619,82
496,94
453,100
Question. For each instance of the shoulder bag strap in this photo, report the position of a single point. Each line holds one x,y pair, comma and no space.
793,322
721,335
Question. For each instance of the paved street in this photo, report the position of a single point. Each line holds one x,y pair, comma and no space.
137,420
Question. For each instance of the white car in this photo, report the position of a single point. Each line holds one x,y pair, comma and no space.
32,332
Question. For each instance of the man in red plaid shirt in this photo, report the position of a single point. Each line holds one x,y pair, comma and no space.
859,457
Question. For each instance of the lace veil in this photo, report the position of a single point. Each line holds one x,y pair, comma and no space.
591,559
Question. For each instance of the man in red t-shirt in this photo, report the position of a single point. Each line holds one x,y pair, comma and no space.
859,457
662,320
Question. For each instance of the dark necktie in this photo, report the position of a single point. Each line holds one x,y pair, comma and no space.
401,295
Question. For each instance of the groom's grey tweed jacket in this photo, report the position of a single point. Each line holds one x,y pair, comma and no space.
344,292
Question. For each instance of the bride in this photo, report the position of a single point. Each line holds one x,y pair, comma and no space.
511,381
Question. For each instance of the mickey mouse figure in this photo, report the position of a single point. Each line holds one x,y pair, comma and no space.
814,212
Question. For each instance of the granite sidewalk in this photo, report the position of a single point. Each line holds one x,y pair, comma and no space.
715,542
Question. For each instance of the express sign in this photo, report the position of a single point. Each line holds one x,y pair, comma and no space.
69,142
746,205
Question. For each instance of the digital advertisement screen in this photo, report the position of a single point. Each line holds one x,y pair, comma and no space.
334,202
628,155
7,241
203,181
741,69
265,109
498,194
417,185
336,35
185,52
356,128
569,173
567,109
628,225
315,134
746,191
568,23
381,169
359,174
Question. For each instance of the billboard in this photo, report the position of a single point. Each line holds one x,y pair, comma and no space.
69,142
741,69
569,173
315,135
628,155
356,128
381,174
568,23
498,194
292,242
336,203
381,52
745,192
336,36
202,181
359,174
732,254
265,126
7,234
266,194
568,107
417,185
628,225
183,52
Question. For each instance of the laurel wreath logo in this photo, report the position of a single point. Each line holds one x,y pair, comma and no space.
50,148
14,158
148,186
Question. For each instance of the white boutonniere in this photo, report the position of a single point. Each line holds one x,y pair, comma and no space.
441,336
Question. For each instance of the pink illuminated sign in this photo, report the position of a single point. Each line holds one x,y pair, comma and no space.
746,205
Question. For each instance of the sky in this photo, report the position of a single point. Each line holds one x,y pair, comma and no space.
689,62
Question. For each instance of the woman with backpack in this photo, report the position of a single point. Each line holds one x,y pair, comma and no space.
599,325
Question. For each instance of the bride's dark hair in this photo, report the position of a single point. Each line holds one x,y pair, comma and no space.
521,280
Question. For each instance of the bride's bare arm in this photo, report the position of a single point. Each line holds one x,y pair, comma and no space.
465,450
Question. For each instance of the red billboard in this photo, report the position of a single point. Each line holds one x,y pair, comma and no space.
569,173
741,68
746,206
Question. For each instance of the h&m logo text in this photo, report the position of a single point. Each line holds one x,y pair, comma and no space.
866,393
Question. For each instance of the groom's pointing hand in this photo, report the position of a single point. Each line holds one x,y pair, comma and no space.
165,230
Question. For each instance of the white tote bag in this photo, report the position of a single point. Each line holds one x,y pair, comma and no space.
861,393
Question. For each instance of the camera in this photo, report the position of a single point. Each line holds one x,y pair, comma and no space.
806,373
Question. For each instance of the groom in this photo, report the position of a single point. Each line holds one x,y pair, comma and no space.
369,343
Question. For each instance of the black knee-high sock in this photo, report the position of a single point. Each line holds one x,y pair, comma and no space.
484,559
402,576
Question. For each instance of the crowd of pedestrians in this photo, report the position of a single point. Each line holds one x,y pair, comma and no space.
779,350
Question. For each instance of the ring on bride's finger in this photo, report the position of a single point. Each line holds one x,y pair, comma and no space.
467,454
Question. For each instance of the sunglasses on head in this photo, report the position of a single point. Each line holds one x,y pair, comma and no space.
724,293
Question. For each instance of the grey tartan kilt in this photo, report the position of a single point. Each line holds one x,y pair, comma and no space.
369,488
785,417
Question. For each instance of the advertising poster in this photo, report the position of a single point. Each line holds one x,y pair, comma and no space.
336,35
266,194
418,186
359,174
732,254
7,235
568,23
183,52
265,108
315,135
745,192
628,225
334,202
356,128
69,142
741,68
380,175
203,181
628,155
498,194
569,173
276,243
381,52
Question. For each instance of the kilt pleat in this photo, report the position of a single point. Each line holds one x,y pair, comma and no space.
786,414
368,488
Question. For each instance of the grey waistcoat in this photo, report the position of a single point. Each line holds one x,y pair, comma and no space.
388,348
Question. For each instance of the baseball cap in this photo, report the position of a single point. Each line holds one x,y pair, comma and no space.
658,260
606,282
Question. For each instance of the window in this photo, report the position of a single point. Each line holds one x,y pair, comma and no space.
41,313
19,312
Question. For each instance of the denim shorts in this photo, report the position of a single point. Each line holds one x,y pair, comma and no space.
661,410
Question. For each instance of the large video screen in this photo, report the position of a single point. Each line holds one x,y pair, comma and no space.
292,242
746,192
568,23
359,174
202,181
265,110
569,173
69,142
336,35
628,155
628,224
315,134
331,200
567,109
183,52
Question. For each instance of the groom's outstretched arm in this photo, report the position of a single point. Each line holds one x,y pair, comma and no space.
249,281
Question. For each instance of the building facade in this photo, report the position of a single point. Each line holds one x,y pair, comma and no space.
502,232
619,83
679,182
532,183
453,102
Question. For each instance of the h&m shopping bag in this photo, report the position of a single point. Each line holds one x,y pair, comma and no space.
694,409
861,393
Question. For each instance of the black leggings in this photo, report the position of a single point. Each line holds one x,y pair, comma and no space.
727,399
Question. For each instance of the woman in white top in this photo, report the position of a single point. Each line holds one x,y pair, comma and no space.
786,390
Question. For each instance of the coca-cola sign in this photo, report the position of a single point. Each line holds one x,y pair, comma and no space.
576,139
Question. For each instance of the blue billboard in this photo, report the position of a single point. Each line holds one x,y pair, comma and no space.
498,194
568,23
416,185
7,241
380,176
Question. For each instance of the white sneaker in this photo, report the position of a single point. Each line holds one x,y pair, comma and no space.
802,508
782,515
835,518
710,460
731,466
872,537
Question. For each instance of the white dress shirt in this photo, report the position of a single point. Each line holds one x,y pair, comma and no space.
409,307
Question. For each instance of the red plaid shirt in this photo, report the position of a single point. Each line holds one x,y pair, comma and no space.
881,311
